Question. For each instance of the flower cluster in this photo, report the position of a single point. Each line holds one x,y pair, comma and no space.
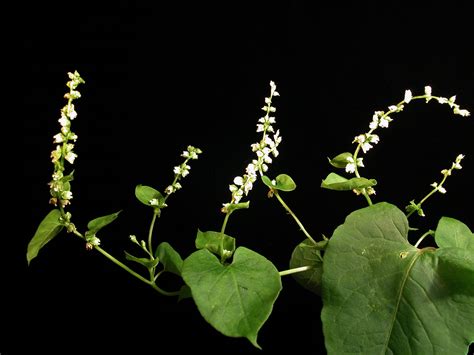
437,187
60,188
444,100
447,172
182,170
265,149
382,119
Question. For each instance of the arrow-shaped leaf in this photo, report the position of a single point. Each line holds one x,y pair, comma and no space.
98,223
49,227
169,258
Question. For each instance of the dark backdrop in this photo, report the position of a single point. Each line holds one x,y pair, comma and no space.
160,77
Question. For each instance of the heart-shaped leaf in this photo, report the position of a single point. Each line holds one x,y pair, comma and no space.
308,254
49,227
381,295
237,298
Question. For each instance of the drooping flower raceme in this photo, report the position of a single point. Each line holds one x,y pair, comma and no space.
382,119
265,149
60,187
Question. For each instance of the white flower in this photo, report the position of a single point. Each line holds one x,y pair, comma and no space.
457,163
408,96
58,138
350,167
64,121
154,202
94,241
384,121
428,90
462,112
375,122
66,195
238,181
251,169
373,138
185,170
70,157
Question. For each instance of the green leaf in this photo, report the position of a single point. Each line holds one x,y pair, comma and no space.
339,183
453,233
237,206
282,182
145,194
169,258
97,224
184,292
49,227
381,295
456,265
146,262
308,254
236,299
216,242
340,161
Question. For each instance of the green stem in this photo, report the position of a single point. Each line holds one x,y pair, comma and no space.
428,195
285,206
295,270
430,232
130,271
150,234
122,265
224,224
133,273
364,191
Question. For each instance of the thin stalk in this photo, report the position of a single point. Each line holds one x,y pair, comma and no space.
430,232
150,234
295,270
224,224
285,206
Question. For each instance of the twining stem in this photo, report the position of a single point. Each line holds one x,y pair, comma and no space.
295,270
285,206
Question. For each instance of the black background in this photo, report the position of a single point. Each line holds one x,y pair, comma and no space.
160,76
